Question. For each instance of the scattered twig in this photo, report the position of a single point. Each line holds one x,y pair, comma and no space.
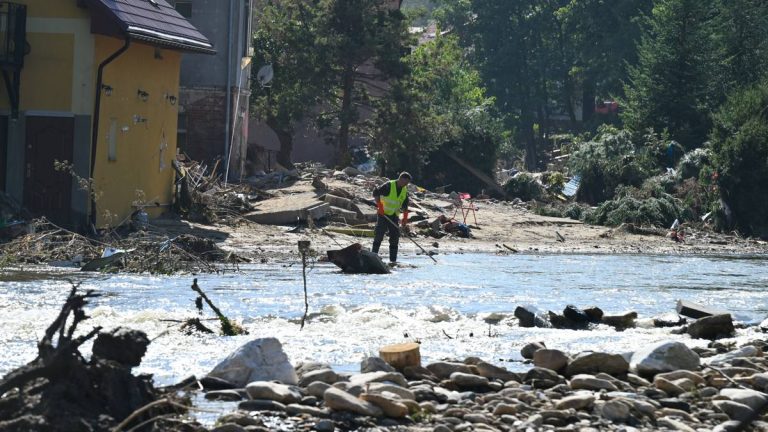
447,335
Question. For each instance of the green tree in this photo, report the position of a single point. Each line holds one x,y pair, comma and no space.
742,34
286,31
438,108
672,86
364,40
332,59
740,154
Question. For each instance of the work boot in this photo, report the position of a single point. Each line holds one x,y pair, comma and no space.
392,254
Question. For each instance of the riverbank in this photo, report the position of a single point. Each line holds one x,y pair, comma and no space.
665,386
503,227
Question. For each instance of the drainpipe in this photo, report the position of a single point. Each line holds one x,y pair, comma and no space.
229,81
95,127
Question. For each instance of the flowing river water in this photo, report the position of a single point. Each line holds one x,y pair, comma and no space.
447,306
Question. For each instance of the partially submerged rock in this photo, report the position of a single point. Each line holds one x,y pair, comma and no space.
261,359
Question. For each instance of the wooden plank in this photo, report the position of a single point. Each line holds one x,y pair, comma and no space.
477,173
694,310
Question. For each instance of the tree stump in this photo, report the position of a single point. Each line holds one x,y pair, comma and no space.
401,355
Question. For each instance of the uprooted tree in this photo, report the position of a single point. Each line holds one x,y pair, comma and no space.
61,390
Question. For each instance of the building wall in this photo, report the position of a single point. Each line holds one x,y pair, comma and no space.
143,132
56,81
207,80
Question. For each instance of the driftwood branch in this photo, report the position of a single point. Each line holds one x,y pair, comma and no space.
227,328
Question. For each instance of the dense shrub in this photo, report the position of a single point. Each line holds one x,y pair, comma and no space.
651,206
605,163
740,153
692,162
524,186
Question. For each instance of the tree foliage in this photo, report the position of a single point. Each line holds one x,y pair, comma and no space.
740,153
439,107
672,86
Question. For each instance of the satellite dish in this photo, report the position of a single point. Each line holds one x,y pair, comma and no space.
265,75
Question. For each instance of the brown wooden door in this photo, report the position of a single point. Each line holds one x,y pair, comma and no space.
48,192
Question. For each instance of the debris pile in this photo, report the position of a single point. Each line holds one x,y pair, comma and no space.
137,252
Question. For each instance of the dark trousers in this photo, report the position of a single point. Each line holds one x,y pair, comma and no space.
382,226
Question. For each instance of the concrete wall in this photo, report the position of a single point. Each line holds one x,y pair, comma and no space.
206,81
144,131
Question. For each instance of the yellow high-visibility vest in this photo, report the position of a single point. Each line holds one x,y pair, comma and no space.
393,202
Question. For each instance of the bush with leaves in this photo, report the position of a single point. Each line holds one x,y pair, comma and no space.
740,154
605,163
647,206
524,186
692,163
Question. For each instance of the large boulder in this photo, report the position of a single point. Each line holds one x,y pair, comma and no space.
443,369
261,359
596,362
712,327
354,259
553,359
664,357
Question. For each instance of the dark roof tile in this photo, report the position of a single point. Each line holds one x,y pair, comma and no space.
157,23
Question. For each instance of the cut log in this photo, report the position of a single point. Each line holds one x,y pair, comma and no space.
401,355
693,310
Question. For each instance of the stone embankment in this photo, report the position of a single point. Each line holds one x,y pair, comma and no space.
666,386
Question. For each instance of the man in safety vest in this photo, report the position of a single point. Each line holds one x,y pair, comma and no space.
391,197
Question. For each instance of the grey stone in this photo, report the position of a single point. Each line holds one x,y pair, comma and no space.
745,351
371,377
375,364
258,360
339,400
242,418
596,362
273,391
443,370
390,406
541,374
401,392
667,386
229,427
354,390
419,373
317,389
465,380
476,418
327,376
535,422
224,395
553,359
675,425
589,382
664,357
637,381
325,426
615,411
728,426
712,327
504,409
678,374
578,401
297,409
261,405
495,372
751,398
530,348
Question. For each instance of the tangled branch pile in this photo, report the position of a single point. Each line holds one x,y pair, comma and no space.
137,252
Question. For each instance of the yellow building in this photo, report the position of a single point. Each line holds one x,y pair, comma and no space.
94,83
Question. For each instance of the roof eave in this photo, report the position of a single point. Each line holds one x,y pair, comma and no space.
168,41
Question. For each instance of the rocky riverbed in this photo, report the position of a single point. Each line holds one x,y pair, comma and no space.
666,386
